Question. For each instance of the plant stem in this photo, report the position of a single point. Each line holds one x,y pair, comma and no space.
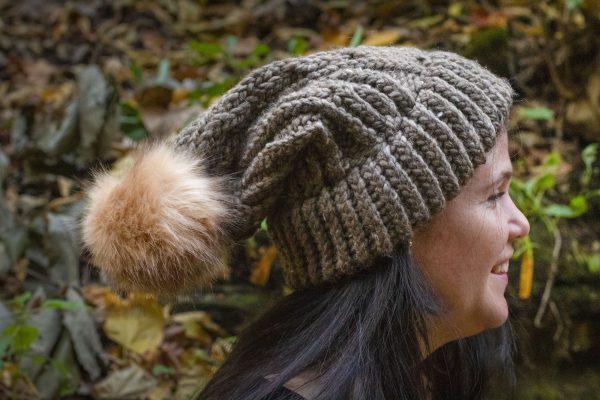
537,322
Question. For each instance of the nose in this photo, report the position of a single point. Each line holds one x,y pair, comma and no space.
518,223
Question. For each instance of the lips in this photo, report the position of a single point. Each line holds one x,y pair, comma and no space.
501,268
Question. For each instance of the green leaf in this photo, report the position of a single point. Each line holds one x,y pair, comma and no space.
544,183
536,113
426,22
164,68
20,300
62,305
208,90
208,51
593,263
136,72
263,225
230,42
131,122
560,211
594,193
578,204
38,359
21,337
297,46
574,4
160,369
261,50
4,344
552,160
358,36
588,155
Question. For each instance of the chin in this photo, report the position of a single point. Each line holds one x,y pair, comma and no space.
497,316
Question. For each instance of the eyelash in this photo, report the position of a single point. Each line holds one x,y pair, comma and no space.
496,196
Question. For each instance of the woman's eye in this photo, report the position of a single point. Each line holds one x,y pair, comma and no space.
496,196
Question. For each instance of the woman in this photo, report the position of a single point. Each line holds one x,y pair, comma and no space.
383,175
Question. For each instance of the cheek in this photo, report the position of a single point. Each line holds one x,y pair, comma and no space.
458,252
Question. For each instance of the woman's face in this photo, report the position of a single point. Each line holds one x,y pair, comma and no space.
464,251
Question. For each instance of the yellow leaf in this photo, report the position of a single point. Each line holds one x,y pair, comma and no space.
199,317
192,328
526,276
160,392
135,323
382,38
262,271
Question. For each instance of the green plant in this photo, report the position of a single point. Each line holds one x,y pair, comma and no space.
210,52
589,261
297,46
533,197
17,338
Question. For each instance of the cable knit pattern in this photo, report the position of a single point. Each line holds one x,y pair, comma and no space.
345,152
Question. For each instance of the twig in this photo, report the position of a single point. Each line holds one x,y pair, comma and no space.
560,326
562,89
537,322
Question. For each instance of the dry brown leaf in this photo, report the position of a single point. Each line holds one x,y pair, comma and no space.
95,294
201,317
160,392
335,37
57,95
132,382
193,330
384,38
262,270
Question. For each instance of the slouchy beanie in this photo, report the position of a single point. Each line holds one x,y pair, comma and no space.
344,152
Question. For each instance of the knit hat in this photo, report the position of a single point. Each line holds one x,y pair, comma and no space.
344,152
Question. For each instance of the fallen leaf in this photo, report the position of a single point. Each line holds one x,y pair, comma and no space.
382,38
162,123
49,327
63,247
135,323
38,72
65,185
96,294
155,96
196,323
84,336
161,392
132,382
262,270
99,115
221,349
188,386
62,376
55,142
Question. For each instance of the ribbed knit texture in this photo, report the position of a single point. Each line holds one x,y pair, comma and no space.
345,152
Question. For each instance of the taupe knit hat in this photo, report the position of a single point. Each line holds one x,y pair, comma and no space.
344,153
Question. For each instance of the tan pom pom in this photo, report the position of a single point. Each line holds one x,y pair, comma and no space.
160,227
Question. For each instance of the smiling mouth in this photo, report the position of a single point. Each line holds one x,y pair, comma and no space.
501,268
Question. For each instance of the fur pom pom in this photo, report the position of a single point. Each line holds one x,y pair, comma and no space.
160,228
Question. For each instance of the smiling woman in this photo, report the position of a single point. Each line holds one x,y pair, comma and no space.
465,250
383,174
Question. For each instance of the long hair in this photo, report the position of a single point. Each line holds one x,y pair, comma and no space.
363,338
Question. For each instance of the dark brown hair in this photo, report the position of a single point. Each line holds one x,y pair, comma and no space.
364,339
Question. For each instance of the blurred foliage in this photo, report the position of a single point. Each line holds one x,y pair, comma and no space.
83,83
